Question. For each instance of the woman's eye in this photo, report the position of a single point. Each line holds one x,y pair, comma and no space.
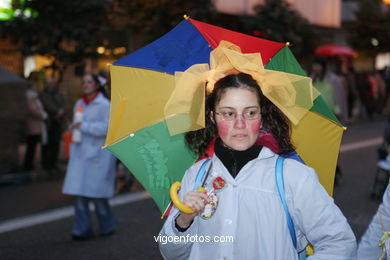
228,114
252,113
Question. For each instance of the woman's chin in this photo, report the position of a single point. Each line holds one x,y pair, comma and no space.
240,146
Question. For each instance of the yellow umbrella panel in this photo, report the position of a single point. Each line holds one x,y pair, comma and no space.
137,101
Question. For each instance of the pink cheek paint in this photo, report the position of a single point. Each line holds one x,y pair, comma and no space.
223,128
255,126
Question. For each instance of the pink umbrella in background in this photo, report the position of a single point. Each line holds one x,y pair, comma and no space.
334,50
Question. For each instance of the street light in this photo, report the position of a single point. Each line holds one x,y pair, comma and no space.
386,2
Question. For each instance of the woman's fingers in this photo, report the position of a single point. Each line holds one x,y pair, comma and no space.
196,200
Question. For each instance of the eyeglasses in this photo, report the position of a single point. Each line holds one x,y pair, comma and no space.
247,114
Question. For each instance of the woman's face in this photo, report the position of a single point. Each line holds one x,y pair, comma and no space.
88,85
239,133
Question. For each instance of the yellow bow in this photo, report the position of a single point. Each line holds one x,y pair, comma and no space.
292,94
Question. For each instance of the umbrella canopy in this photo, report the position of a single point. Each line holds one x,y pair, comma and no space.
333,50
143,82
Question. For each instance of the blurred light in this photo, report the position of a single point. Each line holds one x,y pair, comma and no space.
100,50
107,52
27,13
5,3
17,12
386,2
374,42
382,60
6,12
119,50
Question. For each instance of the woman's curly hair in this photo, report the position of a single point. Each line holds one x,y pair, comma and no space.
274,121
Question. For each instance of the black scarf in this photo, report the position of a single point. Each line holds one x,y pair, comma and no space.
235,160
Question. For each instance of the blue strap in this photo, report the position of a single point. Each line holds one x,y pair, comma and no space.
282,195
200,175
302,255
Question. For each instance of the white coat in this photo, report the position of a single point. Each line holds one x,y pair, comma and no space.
368,245
91,170
250,211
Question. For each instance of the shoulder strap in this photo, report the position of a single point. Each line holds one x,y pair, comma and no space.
200,174
282,195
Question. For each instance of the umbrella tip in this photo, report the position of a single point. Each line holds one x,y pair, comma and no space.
186,17
288,44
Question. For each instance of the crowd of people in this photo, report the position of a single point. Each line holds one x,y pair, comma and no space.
352,95
45,123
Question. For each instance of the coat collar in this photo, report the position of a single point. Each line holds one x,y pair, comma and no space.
99,98
266,153
88,100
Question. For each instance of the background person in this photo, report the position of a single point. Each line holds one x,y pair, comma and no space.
332,91
36,129
91,170
54,105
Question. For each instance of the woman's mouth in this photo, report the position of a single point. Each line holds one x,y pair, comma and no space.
240,136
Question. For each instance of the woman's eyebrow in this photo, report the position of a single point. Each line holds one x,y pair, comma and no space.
227,107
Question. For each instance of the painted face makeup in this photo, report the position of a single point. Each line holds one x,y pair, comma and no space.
238,134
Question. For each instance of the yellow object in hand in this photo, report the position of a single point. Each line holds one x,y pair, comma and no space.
176,200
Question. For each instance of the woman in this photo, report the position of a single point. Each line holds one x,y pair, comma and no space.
91,171
249,210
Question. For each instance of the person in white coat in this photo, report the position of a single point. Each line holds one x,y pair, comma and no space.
90,174
377,232
249,221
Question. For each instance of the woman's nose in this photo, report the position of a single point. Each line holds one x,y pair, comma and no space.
239,122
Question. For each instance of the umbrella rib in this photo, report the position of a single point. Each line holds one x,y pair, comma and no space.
337,123
141,128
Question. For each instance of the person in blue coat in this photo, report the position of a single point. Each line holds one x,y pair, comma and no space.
90,174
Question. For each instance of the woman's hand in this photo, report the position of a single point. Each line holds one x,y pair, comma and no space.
196,201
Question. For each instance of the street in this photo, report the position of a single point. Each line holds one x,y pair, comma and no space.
139,218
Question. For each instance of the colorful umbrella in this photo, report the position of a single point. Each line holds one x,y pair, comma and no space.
143,81
334,50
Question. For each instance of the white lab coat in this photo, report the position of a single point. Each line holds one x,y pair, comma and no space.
91,169
251,212
368,246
